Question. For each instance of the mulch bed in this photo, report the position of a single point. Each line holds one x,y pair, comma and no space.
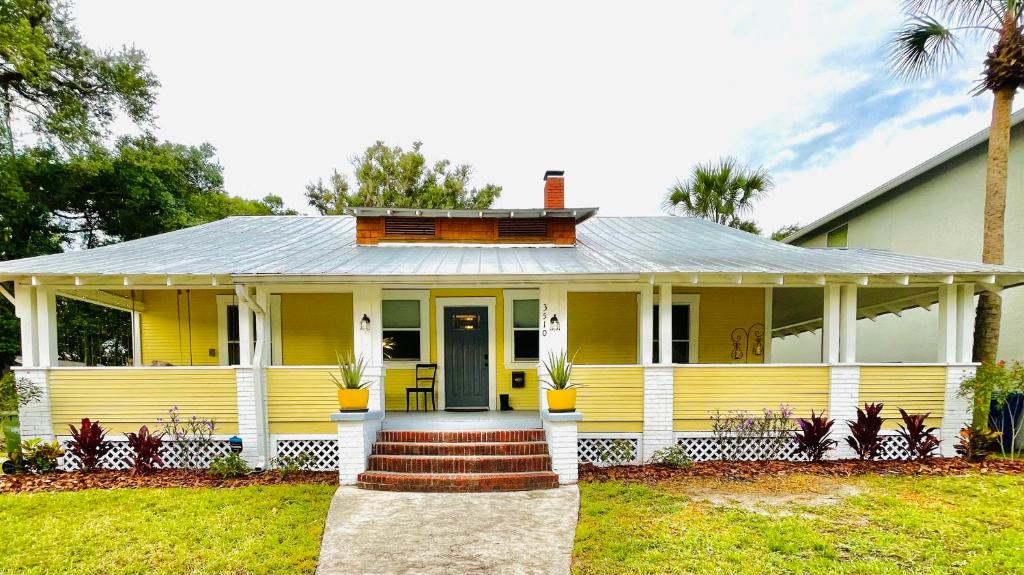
77,481
743,470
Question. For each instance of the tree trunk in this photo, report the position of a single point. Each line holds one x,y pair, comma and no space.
990,305
986,324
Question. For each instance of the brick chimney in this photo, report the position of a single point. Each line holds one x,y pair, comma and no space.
554,189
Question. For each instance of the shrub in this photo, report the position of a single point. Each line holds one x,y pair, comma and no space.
145,451
17,392
977,443
735,429
813,437
288,465
192,436
617,452
921,440
230,465
672,456
864,438
89,444
36,456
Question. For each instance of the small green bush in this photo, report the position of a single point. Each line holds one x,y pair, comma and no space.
230,465
672,456
288,465
37,456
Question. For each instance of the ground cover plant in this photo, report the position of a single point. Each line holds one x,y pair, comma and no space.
868,524
250,530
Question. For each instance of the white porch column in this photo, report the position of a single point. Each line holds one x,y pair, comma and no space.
844,392
947,336
356,434
136,338
665,324
251,382
647,324
369,343
769,310
46,320
965,323
830,324
249,428
560,430
659,387
956,413
848,324
553,306
26,309
36,419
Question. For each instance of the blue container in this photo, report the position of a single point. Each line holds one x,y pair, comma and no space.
1003,418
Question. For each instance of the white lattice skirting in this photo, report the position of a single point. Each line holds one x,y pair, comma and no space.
621,449
705,447
173,455
321,452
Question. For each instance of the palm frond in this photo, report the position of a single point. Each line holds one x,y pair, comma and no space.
959,13
921,47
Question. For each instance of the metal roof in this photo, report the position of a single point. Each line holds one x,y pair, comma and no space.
325,246
579,214
918,170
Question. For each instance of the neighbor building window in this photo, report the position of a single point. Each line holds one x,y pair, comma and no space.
684,329
837,238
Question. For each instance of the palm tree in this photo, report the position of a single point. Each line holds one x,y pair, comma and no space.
928,40
723,192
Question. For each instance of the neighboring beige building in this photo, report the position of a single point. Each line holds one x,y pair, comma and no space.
935,209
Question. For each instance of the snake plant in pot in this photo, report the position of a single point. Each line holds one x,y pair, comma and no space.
353,392
561,391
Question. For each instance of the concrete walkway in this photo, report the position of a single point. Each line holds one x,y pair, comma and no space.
519,533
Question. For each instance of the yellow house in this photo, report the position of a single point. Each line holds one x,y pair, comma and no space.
669,319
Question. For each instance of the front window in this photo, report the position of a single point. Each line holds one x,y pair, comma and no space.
402,329
234,338
682,338
525,330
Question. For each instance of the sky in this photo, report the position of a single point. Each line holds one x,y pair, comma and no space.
626,97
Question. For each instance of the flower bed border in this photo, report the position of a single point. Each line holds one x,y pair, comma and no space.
111,479
743,470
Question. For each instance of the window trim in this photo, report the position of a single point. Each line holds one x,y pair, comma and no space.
510,295
423,296
846,244
692,300
223,301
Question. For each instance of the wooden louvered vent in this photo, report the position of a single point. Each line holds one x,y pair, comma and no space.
525,228
419,227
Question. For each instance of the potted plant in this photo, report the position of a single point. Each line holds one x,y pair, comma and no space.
353,392
561,391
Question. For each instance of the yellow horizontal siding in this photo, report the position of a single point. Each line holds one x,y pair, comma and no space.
917,389
611,396
395,382
301,400
700,391
610,426
179,327
125,399
721,311
314,326
603,327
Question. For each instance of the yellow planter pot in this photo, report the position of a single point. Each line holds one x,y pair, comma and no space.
353,399
561,400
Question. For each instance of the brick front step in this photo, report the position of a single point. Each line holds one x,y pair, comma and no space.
457,482
506,435
492,448
460,463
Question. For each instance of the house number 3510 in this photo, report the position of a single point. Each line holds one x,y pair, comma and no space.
544,321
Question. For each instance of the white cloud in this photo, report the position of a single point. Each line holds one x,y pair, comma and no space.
625,97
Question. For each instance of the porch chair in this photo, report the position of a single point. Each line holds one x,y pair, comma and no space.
426,373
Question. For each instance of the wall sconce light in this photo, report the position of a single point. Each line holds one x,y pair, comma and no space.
747,341
364,324
554,323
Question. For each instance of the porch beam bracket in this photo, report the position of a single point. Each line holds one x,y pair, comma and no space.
7,295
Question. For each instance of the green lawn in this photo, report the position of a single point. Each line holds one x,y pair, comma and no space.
933,525
272,529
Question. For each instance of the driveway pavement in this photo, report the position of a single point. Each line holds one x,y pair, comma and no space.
384,533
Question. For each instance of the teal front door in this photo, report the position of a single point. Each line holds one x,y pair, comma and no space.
465,358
